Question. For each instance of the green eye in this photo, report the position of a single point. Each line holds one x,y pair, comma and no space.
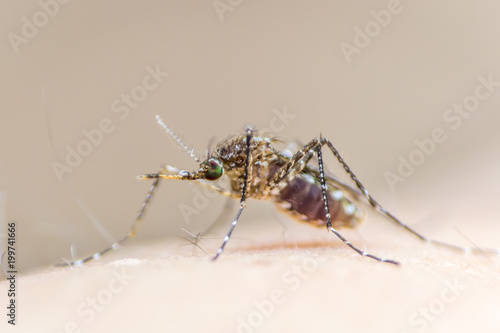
214,169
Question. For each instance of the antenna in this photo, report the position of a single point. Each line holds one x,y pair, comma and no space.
169,131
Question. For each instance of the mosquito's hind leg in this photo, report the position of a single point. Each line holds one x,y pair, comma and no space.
394,219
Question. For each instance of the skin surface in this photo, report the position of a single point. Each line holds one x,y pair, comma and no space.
164,286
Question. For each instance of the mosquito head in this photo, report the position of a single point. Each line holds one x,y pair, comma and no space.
211,169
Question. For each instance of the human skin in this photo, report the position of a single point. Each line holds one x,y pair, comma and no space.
266,287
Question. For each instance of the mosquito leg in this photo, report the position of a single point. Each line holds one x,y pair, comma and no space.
243,195
129,235
294,166
327,213
394,219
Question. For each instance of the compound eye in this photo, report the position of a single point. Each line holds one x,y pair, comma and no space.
214,169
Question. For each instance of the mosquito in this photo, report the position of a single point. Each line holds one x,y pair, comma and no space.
256,169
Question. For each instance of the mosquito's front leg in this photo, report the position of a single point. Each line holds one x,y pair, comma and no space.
247,171
129,235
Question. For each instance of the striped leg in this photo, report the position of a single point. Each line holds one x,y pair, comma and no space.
327,211
129,235
381,210
249,133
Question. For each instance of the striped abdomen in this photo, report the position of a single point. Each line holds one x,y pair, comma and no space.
303,198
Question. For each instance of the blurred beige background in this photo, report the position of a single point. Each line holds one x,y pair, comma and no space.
232,63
